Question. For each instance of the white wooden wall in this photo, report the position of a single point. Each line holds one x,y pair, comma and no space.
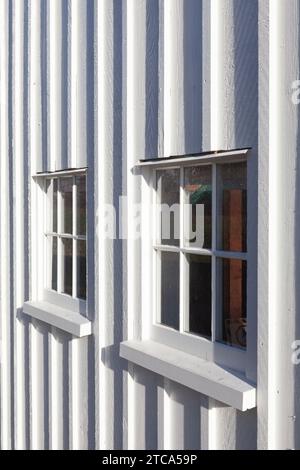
104,83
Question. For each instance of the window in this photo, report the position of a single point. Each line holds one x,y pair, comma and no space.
197,256
61,262
215,255
65,235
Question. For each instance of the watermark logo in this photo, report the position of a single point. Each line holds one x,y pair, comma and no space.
166,218
296,352
296,92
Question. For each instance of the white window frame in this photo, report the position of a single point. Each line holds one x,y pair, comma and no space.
58,297
67,313
210,350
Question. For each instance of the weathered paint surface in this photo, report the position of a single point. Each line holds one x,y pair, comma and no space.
102,84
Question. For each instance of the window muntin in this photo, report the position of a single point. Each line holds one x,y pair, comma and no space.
210,300
66,235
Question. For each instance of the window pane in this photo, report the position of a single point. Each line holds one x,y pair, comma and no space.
53,244
234,207
198,189
66,187
67,251
200,295
81,269
234,302
51,191
169,198
170,290
81,205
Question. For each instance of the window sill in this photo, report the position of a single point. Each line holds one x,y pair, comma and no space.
205,377
61,318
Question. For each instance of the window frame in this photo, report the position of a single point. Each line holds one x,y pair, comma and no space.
44,292
223,354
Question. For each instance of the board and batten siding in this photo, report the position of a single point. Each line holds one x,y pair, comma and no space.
102,83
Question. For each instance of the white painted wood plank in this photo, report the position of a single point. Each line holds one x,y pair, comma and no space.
104,425
186,408
80,360
174,142
135,141
175,427
161,414
38,333
39,386
109,289
276,423
263,227
20,110
206,74
78,82
146,418
161,77
58,390
222,74
55,83
5,235
81,421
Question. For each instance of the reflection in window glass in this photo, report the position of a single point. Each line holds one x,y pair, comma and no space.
198,188
234,207
81,269
200,295
169,196
234,302
81,205
67,248
53,241
170,290
66,187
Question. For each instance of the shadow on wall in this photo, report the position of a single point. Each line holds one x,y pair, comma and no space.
152,92
193,76
147,416
245,15
187,410
193,87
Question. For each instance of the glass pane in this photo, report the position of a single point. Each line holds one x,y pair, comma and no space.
169,198
234,302
67,251
53,244
170,290
51,191
198,213
66,187
81,205
200,295
81,269
234,207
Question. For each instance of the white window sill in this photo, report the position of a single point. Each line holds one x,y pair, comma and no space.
61,318
205,377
